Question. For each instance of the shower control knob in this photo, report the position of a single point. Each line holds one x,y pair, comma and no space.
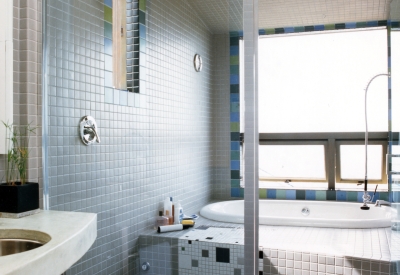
145,266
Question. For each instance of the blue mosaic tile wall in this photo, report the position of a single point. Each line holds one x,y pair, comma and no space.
236,190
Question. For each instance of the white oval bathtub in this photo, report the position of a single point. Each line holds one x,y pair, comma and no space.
303,213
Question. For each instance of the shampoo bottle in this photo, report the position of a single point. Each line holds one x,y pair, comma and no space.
178,213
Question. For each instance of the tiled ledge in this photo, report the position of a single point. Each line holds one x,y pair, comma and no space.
321,250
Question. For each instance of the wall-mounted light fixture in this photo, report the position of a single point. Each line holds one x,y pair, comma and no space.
197,62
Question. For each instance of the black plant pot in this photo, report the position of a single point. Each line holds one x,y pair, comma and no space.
19,198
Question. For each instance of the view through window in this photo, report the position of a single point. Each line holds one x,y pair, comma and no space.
311,108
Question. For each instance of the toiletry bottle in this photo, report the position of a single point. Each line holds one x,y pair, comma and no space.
173,209
161,220
170,219
178,213
167,206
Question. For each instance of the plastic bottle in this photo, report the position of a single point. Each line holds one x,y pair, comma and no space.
167,206
161,220
173,209
170,219
178,213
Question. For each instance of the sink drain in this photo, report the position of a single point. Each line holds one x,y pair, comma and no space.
305,211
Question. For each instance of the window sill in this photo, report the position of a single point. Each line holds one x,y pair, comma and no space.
319,186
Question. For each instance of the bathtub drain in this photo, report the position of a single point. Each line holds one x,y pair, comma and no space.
305,211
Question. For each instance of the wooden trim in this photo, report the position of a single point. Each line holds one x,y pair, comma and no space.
119,44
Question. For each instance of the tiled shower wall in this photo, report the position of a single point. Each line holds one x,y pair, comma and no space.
27,43
161,147
221,118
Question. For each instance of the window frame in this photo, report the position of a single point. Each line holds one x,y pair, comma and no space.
384,143
331,142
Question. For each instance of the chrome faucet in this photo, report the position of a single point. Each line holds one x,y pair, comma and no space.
381,202
367,199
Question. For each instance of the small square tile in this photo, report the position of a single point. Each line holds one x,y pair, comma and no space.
385,268
204,253
195,263
222,255
357,264
237,271
339,261
300,194
339,270
313,267
366,265
351,196
321,259
330,260
185,261
331,195
320,195
341,195
330,269
314,258
271,194
281,194
290,194
306,257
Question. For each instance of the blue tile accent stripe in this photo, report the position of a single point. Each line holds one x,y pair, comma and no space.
337,26
347,196
236,191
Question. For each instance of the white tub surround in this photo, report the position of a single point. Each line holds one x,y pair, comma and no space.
303,213
71,233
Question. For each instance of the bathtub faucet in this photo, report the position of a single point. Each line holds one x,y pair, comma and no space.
366,199
381,202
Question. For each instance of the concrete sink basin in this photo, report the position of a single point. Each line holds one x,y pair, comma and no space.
17,241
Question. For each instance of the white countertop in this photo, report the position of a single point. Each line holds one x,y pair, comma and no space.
72,234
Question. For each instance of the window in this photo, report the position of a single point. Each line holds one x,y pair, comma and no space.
311,108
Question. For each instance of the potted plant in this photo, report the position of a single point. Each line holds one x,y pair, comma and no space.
16,194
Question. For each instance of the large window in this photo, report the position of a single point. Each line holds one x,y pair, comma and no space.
311,108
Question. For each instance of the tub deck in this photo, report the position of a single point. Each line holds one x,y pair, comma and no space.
352,251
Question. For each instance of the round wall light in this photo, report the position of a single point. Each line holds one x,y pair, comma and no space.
197,62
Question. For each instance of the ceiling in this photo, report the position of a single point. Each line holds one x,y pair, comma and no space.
224,15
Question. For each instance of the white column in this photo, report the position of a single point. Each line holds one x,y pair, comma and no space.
6,70
251,136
